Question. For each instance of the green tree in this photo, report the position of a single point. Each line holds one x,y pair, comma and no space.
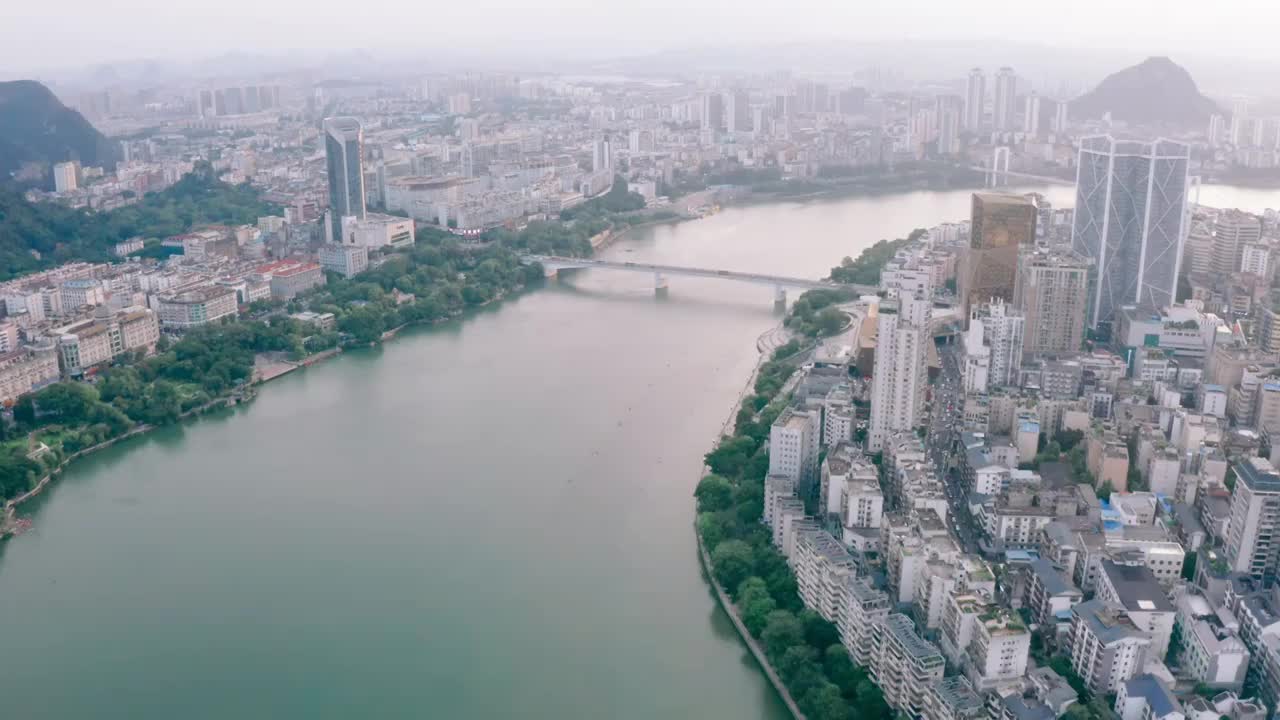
782,630
730,456
714,493
818,632
732,561
825,702
830,321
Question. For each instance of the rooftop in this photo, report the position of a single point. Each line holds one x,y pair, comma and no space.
1136,587
1162,701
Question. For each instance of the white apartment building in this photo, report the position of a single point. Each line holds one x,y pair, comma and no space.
776,489
1050,596
822,567
999,649
1002,334
837,416
1134,589
1106,648
1212,651
863,608
793,446
903,664
346,260
897,389
1255,519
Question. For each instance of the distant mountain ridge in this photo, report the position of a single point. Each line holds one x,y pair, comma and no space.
37,130
1156,91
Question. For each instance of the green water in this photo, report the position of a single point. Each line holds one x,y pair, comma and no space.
489,519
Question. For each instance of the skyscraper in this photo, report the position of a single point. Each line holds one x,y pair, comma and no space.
739,115
947,118
344,148
602,155
1130,220
1052,291
975,99
1060,117
1232,230
1254,519
1000,226
712,111
897,386
1002,113
1031,116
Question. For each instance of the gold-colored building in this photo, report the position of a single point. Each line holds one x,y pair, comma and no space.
1001,226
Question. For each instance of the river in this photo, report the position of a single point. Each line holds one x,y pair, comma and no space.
488,519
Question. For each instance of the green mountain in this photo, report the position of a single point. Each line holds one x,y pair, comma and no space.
1156,91
37,130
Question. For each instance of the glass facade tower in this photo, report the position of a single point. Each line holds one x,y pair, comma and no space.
1130,221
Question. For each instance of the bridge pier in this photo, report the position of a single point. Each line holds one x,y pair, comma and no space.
660,286
779,296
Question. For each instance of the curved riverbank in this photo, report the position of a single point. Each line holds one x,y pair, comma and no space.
757,652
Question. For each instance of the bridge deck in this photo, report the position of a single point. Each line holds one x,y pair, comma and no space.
558,262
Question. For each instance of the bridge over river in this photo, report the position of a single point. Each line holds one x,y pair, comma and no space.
779,283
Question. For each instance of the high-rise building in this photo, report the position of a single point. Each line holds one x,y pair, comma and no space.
975,99
1052,291
794,444
948,112
1217,129
712,111
1001,225
602,155
1031,115
739,115
897,387
64,177
1232,230
1002,107
1060,119
1255,520
344,148
1130,220
1000,328
1197,250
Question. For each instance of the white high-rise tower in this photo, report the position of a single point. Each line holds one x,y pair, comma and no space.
897,388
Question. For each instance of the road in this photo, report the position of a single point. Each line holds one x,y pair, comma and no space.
943,439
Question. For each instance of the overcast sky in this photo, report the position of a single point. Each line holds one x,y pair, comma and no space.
67,33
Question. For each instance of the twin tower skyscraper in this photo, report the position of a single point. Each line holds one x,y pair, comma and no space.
1131,220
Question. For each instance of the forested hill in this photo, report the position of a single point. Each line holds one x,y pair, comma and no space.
37,130
60,234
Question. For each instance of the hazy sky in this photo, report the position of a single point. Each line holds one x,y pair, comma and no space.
65,33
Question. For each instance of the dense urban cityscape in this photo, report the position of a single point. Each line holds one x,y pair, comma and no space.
1015,464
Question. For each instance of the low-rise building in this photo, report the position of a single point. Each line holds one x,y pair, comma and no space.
196,307
23,370
346,260
1146,697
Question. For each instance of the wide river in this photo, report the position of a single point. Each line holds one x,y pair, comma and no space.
486,519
